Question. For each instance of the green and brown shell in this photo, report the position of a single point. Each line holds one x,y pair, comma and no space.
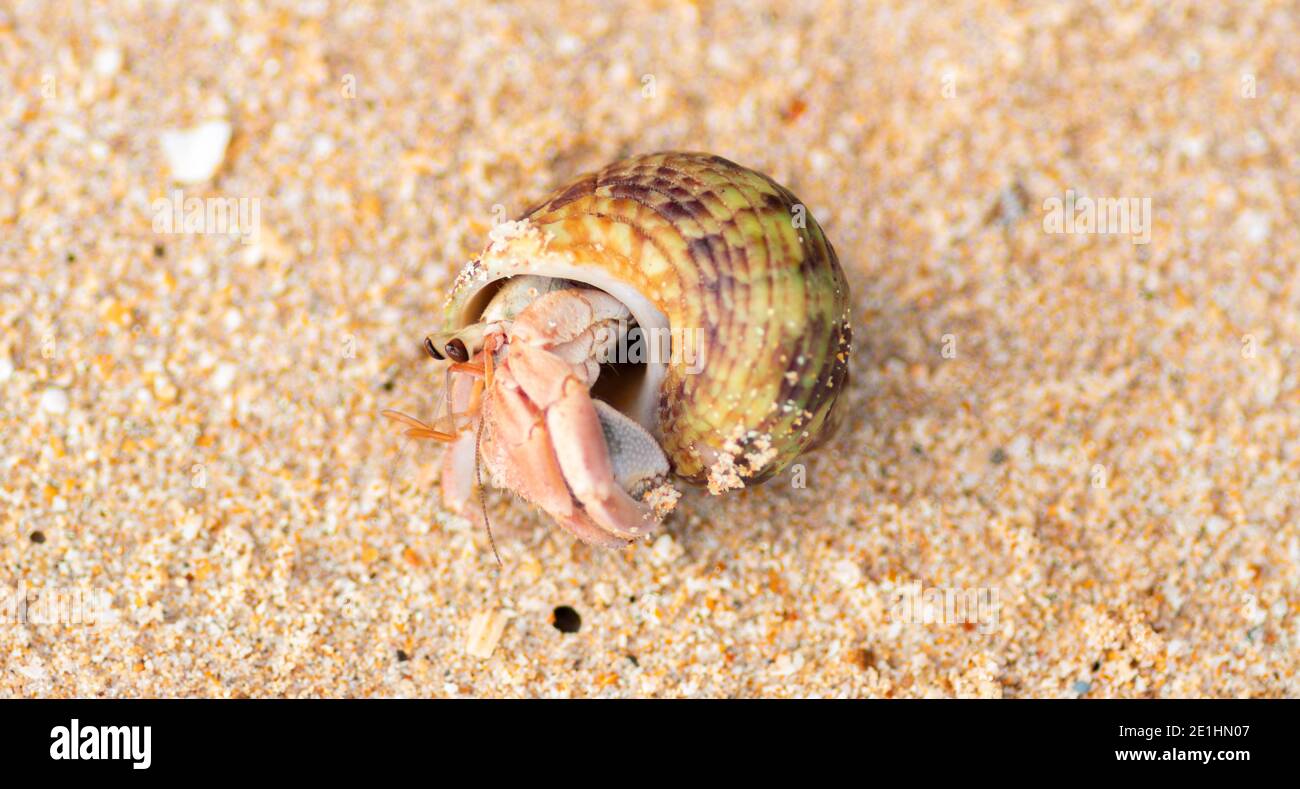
728,259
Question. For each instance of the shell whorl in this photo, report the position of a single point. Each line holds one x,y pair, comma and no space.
719,250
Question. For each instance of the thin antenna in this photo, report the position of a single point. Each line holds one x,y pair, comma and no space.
482,495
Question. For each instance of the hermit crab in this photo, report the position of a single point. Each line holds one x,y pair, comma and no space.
672,318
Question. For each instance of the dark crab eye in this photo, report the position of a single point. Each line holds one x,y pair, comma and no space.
432,349
456,351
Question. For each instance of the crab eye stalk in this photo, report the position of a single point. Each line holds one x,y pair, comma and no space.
456,350
432,349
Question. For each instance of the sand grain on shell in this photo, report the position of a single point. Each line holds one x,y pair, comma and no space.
1104,434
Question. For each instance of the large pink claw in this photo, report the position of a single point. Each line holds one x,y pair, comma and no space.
575,440
542,396
584,459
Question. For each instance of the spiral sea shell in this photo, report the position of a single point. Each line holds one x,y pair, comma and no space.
697,247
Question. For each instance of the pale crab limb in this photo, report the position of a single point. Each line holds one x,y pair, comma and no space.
521,456
551,383
554,344
580,525
637,461
458,482
540,394
584,459
518,449
516,294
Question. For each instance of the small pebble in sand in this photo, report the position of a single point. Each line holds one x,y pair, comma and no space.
786,665
484,632
665,549
603,592
195,154
54,401
108,61
847,573
223,377
33,671
6,368
1254,226
165,390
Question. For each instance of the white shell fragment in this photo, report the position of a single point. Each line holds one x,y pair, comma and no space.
54,400
108,61
485,631
195,154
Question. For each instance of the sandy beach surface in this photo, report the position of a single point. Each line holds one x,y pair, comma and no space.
1072,462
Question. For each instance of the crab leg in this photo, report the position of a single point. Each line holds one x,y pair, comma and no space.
522,455
521,440
580,525
457,482
573,432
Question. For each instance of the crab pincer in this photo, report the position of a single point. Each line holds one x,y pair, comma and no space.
556,389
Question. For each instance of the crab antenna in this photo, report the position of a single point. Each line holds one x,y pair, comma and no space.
482,496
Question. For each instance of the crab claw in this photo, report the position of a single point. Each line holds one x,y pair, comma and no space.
585,459
550,422
637,464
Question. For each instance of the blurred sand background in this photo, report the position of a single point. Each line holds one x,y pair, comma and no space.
1106,435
